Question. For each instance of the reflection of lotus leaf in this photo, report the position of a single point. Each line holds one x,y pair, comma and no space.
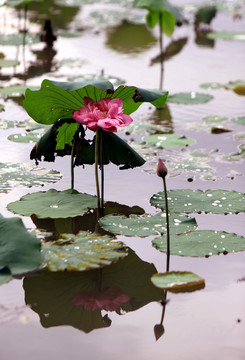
51,295
202,243
80,252
195,201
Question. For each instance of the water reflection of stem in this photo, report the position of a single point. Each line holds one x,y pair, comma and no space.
167,220
102,175
161,51
96,156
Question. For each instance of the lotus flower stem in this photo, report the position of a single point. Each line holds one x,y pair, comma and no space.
102,175
161,51
72,163
96,161
167,221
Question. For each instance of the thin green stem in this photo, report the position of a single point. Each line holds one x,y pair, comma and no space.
161,51
72,162
167,221
102,175
96,161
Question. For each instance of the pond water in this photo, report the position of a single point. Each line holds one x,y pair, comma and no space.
37,316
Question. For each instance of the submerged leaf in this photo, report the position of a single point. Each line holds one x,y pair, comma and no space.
54,204
81,252
178,281
202,243
197,201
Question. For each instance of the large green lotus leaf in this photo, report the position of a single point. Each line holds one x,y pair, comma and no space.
202,243
28,175
54,204
18,39
178,281
158,6
197,201
190,98
239,120
63,295
227,35
20,251
81,252
28,137
58,100
8,63
147,225
172,140
91,77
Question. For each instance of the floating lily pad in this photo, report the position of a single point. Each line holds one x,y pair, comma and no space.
202,243
12,175
227,35
89,77
239,120
240,136
69,34
172,140
80,252
5,124
146,225
190,98
196,201
8,63
54,204
178,281
1,107
237,86
212,85
214,119
18,39
14,91
29,137
20,251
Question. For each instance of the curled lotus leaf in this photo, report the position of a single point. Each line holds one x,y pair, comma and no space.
54,204
81,252
201,243
178,281
197,201
146,225
25,175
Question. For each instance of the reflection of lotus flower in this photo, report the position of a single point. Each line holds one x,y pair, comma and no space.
106,114
109,298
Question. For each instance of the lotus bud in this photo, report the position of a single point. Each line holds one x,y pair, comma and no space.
161,169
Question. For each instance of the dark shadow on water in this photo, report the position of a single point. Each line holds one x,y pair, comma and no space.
78,298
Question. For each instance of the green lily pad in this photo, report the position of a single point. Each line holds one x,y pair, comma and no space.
28,137
5,124
227,35
20,251
212,86
91,77
202,243
28,175
14,91
1,107
178,281
146,225
214,119
239,120
69,34
54,204
8,63
18,39
172,140
190,98
81,252
197,201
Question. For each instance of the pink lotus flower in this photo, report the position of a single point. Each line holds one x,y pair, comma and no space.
108,299
161,169
106,114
